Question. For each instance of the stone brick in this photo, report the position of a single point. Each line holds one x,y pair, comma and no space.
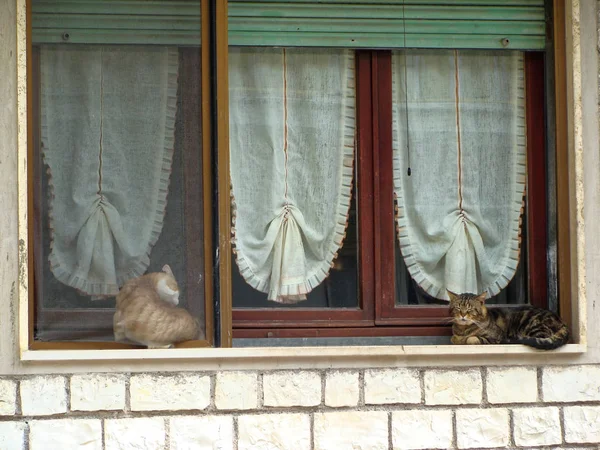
351,430
571,384
392,386
174,392
12,435
134,434
43,395
8,397
582,424
536,426
512,385
236,390
476,428
417,429
341,389
274,432
196,433
65,434
97,392
452,387
292,388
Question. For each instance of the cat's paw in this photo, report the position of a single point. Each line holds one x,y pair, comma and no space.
473,340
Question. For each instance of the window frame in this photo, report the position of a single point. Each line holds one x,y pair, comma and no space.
95,318
376,224
219,132
427,318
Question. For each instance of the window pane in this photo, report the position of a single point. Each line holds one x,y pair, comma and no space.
118,191
339,290
408,291
292,144
460,172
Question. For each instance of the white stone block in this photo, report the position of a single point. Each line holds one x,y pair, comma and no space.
482,428
351,430
8,397
97,392
418,429
536,426
453,387
571,384
512,385
43,395
172,393
65,434
201,433
392,386
341,388
12,435
582,424
274,432
292,388
134,434
236,390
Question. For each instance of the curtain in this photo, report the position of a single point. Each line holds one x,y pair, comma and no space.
108,116
292,133
459,124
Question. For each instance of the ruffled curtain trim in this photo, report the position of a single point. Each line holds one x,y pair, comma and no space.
289,222
467,245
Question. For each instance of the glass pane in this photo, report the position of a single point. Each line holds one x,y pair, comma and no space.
119,193
339,290
292,140
409,293
460,172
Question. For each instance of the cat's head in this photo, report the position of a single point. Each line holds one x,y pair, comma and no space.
167,287
466,309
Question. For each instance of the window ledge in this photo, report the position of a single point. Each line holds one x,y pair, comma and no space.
295,353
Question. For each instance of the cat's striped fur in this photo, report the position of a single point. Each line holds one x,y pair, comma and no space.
474,323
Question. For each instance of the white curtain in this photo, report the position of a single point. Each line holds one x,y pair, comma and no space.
292,132
459,213
108,116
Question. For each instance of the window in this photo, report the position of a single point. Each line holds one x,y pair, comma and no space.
370,291
119,182
353,139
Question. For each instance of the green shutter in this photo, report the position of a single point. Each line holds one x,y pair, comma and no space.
167,22
491,24
482,24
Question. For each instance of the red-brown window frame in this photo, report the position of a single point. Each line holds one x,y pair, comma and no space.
377,314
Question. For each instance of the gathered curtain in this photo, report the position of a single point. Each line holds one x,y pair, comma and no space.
292,133
459,124
108,118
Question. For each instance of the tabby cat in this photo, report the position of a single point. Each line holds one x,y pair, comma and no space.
473,323
146,312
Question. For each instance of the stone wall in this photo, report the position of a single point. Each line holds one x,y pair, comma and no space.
516,407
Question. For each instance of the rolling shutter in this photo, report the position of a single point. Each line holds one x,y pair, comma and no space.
163,22
482,24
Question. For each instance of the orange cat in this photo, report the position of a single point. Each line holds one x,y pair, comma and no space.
146,312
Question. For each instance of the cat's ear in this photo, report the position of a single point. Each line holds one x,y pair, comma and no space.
167,269
452,295
481,297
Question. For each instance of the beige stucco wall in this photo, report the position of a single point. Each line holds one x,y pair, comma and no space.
382,399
